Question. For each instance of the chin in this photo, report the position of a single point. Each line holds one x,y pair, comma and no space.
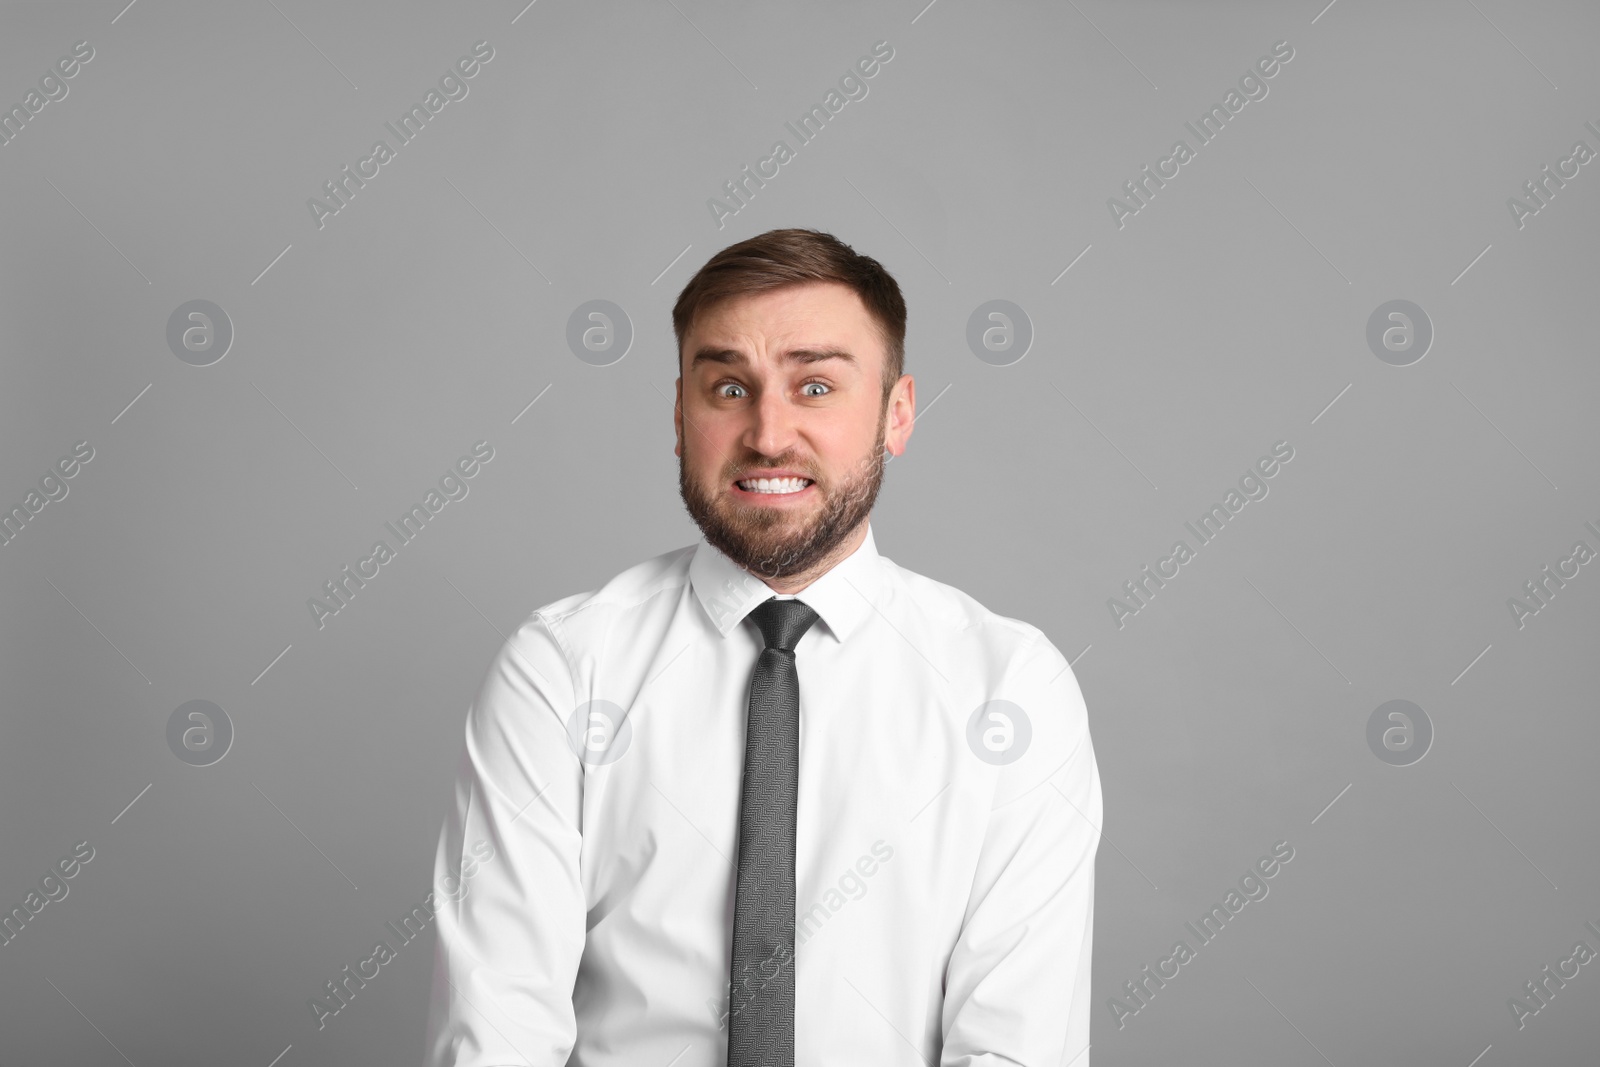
780,538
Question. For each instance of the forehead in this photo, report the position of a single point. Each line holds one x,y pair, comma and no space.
812,315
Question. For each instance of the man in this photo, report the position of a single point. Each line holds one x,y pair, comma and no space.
771,798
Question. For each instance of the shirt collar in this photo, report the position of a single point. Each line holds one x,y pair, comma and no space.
842,598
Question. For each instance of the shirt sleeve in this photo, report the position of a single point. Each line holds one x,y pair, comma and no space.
508,901
1017,984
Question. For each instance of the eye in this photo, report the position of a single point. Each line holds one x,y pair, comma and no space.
720,386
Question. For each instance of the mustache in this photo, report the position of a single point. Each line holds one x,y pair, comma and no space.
757,472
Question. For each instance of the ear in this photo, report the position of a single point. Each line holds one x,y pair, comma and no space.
902,415
677,420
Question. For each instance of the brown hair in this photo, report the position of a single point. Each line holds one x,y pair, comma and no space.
780,258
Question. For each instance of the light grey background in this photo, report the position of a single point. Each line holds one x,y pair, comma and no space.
1227,315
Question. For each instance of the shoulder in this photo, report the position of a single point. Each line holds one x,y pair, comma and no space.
628,595
964,622
1024,685
666,572
546,651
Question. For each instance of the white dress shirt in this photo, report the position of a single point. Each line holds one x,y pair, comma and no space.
944,884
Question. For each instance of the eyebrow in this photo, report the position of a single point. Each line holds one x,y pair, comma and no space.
730,357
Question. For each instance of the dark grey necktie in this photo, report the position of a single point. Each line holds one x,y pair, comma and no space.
761,1004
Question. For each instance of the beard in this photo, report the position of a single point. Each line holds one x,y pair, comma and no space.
781,542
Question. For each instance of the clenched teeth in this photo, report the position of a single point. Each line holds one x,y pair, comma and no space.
774,485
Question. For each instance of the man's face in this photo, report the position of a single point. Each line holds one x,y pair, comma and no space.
788,382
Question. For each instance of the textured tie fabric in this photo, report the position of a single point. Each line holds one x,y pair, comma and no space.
761,1003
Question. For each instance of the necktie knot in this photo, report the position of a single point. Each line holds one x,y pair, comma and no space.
783,622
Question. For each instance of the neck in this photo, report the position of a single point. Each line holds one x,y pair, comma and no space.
792,584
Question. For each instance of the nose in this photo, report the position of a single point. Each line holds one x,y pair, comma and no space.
772,425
